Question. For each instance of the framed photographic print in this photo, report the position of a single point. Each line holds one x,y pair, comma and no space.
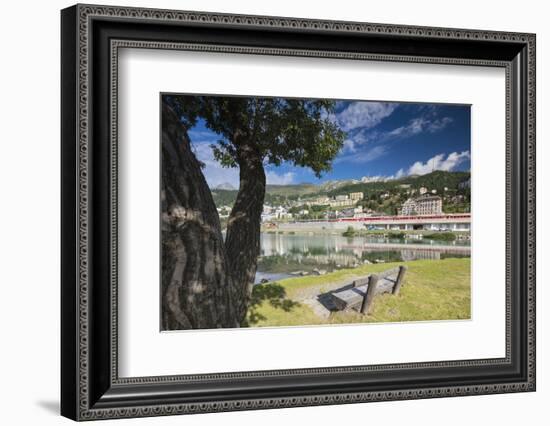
263,212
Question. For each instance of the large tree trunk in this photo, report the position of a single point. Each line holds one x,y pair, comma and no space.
198,290
242,241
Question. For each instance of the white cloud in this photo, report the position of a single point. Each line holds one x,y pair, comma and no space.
358,139
273,178
375,178
362,137
440,124
214,173
364,114
414,127
438,162
364,156
400,173
349,146
217,175
419,125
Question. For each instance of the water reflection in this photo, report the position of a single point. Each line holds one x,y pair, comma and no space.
284,255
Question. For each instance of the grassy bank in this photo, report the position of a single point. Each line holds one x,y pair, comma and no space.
433,290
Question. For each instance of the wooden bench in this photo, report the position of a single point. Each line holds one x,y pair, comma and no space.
360,294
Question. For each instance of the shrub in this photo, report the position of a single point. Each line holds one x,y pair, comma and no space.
350,232
441,236
397,235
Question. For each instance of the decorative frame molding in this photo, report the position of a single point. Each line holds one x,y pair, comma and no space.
91,388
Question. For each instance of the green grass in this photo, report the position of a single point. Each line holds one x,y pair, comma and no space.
432,290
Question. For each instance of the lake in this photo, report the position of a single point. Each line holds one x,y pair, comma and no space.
287,255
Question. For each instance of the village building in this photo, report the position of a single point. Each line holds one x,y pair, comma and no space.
409,207
346,202
224,212
424,205
275,213
346,213
321,200
282,213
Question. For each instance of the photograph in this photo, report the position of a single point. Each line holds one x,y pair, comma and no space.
278,211
269,208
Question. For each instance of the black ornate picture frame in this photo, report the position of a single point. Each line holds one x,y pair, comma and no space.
90,38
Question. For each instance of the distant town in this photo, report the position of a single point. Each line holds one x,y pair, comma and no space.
372,203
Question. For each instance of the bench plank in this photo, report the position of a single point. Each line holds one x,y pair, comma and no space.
357,296
353,297
347,299
390,272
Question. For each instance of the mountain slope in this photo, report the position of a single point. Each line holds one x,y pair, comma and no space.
279,194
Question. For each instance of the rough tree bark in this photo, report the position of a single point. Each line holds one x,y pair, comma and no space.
198,289
242,241
206,283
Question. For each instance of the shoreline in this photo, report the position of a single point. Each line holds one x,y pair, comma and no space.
464,235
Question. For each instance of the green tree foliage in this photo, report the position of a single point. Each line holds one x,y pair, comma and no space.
280,130
320,208
350,232
253,132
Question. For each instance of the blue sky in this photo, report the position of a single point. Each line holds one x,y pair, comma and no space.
384,139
